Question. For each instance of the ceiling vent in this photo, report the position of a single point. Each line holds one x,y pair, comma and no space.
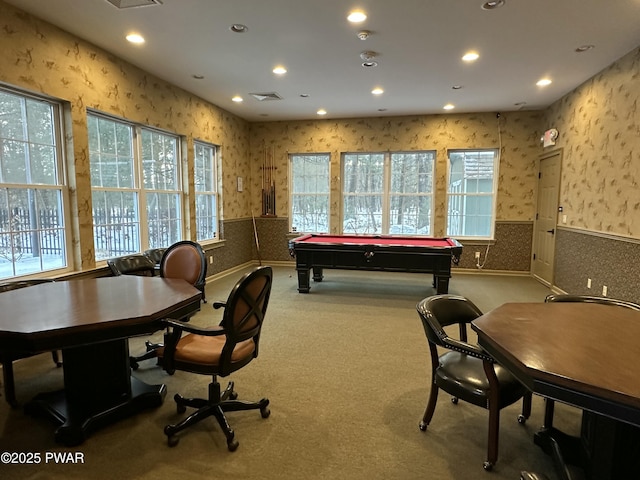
264,97
133,3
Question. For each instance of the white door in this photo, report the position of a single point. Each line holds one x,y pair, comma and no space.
546,217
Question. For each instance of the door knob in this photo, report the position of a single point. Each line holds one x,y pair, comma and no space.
552,231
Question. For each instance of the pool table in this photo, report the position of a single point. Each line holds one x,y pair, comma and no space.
390,253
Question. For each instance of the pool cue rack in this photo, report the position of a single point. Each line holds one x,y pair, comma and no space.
269,171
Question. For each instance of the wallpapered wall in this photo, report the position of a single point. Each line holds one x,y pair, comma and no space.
599,132
44,59
517,132
599,125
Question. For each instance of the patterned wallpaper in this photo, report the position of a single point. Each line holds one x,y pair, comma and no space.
599,131
518,132
42,58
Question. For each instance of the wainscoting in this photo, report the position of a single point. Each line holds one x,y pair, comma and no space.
510,252
606,259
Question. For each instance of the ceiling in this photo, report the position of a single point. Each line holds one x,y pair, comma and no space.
418,46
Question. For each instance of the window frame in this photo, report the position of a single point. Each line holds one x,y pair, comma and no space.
493,194
61,185
140,192
215,183
385,195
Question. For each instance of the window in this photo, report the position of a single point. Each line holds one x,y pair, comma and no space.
135,180
471,193
32,186
309,193
388,193
206,191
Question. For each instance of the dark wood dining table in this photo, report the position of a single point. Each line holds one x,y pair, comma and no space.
91,320
583,354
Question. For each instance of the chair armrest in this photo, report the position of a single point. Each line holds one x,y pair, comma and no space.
184,327
466,348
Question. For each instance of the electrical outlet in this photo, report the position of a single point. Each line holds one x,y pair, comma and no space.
604,290
477,255
211,260
588,283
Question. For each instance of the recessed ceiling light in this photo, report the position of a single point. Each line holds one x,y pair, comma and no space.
470,57
357,16
492,5
449,106
382,109
322,111
197,77
238,28
377,91
369,64
543,82
135,38
237,99
279,70
520,104
304,95
585,48
456,87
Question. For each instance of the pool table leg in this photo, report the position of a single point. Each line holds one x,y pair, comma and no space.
317,274
441,284
303,280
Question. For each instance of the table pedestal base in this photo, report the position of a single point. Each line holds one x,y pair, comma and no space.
606,449
75,426
98,390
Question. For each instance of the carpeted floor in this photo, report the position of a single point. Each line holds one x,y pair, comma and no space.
346,370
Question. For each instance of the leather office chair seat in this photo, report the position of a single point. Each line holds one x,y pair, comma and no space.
184,260
465,370
7,360
220,351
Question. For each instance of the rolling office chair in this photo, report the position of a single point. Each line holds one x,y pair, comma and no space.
549,404
136,264
220,351
7,360
185,260
466,371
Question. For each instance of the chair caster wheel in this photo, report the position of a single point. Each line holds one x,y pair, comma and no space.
172,441
134,365
422,426
488,466
265,412
522,419
232,445
454,400
181,408
233,395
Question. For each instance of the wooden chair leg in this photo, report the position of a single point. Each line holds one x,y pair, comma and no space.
56,358
526,408
549,406
9,383
494,416
431,407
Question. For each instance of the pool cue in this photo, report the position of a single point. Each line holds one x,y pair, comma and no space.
255,236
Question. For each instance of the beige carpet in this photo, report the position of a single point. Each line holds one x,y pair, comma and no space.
346,369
